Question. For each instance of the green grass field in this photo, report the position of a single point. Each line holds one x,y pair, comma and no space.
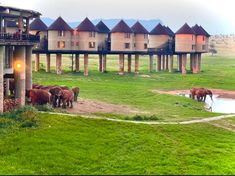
136,90
60,144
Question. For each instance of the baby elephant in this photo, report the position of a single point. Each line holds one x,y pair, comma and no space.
67,98
76,91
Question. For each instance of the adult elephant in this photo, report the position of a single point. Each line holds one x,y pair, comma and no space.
56,93
202,93
39,97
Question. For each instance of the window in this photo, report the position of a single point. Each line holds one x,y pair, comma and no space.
145,46
145,36
134,45
203,38
72,43
193,47
91,44
77,43
61,44
203,47
192,37
127,35
61,33
127,45
92,34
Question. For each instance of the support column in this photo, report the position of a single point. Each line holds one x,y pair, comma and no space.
100,62
86,65
58,64
20,73
37,62
199,62
194,63
121,64
29,82
184,63
191,62
129,63
104,63
179,62
170,64
2,55
137,63
77,63
159,59
48,63
150,63
163,62
167,60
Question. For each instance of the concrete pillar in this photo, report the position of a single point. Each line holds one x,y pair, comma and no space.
191,61
159,63
167,60
104,63
150,63
184,63
163,62
77,63
20,73
86,62
2,56
129,63
37,62
121,64
48,63
100,62
199,62
58,64
137,63
170,63
29,81
179,62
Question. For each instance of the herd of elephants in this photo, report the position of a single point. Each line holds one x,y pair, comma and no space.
62,96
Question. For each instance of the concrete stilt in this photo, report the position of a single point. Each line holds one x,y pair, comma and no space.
2,56
137,63
129,63
104,63
121,64
179,62
48,63
28,80
20,73
199,62
194,63
191,61
163,62
167,61
86,62
170,64
100,62
58,64
37,63
159,63
77,63
150,63
184,63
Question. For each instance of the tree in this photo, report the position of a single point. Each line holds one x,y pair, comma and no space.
212,49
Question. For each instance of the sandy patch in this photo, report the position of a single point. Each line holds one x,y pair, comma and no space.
84,106
220,92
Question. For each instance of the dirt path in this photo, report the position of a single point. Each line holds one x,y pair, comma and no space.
222,93
205,120
84,106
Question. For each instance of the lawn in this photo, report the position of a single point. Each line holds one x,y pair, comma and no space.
136,90
65,145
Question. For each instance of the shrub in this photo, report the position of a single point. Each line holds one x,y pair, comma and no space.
29,119
45,108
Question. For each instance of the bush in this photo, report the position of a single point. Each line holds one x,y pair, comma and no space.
45,108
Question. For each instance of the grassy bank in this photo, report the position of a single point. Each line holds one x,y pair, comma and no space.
65,145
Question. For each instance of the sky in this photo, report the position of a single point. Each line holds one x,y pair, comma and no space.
216,16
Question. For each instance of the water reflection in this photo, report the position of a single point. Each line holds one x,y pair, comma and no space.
219,105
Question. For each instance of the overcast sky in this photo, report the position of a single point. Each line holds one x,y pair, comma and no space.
216,16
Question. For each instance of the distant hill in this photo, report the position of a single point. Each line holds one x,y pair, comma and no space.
148,24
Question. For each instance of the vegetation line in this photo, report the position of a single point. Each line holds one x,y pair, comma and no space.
209,119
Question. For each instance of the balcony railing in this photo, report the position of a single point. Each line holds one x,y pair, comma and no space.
8,37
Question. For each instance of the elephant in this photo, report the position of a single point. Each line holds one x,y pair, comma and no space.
56,93
39,97
67,98
202,93
76,91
